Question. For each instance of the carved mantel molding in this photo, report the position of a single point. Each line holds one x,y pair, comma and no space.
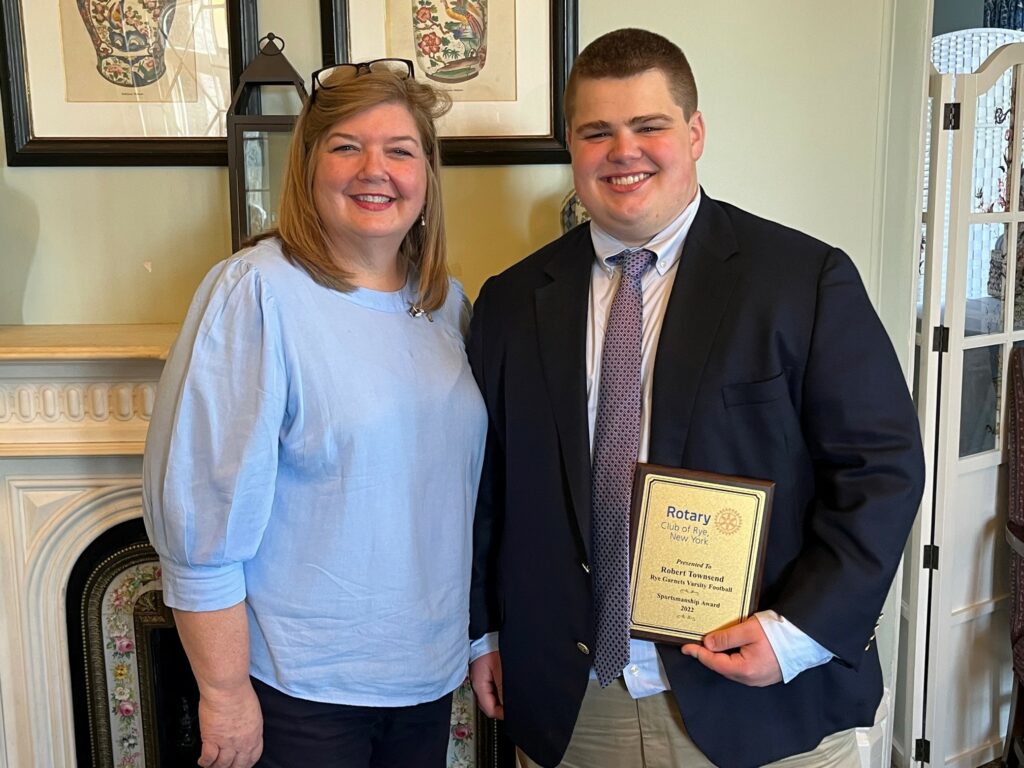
83,390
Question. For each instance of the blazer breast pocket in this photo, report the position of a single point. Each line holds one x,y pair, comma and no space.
753,392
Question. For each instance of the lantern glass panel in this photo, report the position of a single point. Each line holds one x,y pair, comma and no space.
264,161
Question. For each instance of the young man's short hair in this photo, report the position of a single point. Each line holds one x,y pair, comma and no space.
628,52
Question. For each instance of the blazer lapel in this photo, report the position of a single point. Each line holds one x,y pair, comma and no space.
562,336
704,281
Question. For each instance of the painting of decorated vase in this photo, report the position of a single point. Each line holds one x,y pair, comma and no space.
450,38
129,37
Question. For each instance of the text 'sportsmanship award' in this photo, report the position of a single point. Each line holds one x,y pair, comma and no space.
697,545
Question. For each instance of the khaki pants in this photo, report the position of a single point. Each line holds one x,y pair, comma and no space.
615,730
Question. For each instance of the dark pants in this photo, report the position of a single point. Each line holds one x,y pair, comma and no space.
299,733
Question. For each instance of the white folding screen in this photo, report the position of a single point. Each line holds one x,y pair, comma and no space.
955,678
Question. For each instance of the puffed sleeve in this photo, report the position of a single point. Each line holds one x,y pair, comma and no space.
210,464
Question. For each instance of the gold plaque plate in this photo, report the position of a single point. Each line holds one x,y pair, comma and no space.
697,547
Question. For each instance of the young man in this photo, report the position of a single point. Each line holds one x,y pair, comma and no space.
682,331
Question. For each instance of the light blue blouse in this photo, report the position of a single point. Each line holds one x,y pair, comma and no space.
317,453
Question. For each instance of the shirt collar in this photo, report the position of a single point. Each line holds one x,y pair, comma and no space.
667,244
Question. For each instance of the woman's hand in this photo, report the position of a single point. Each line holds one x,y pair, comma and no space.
230,721
485,675
232,728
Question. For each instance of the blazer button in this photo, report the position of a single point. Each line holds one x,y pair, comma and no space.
583,649
586,568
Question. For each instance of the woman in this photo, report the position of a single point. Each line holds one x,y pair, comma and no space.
312,461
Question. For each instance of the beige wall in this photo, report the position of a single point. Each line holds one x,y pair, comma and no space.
795,100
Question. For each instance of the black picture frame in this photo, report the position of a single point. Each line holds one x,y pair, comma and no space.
486,150
26,149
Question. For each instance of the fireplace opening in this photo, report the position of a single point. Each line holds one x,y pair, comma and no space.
135,699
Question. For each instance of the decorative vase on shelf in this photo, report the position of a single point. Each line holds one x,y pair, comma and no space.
571,212
450,37
129,37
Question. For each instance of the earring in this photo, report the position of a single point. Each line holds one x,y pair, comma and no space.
423,219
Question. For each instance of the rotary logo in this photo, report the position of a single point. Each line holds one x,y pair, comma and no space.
728,521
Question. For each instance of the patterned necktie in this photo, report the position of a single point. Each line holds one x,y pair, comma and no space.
616,448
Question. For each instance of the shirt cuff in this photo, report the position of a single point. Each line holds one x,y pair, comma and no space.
482,646
202,588
795,651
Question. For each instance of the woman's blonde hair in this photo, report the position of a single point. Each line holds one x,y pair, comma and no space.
301,229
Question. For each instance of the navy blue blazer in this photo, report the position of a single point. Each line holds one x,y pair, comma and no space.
771,364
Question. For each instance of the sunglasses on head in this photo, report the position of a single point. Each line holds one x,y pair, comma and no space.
336,74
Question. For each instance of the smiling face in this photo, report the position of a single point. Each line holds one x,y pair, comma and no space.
634,154
370,182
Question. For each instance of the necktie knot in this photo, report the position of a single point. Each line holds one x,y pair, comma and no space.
634,263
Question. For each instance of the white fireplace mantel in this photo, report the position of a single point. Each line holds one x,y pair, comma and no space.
78,390
75,403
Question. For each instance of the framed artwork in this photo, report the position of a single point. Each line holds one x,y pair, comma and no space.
504,63
121,82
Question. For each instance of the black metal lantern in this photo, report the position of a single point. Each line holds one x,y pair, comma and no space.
258,143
